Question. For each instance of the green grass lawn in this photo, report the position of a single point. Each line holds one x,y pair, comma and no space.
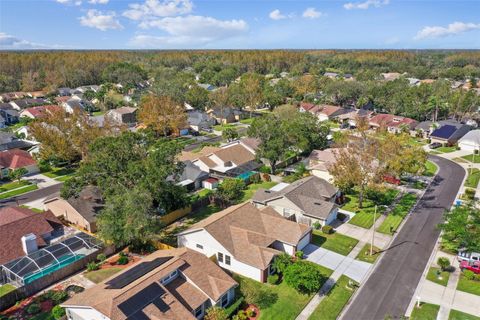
333,304
433,275
58,172
446,149
65,177
396,216
473,178
430,169
459,315
426,311
460,160
247,121
17,192
470,286
98,113
252,188
289,302
98,276
6,288
364,216
470,158
336,242
14,185
32,208
222,127
364,254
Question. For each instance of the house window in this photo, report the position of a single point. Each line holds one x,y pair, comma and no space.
227,259
198,312
199,246
224,300
220,257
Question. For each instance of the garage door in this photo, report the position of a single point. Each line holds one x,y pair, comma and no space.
304,241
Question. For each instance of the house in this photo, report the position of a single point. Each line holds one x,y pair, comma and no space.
72,104
449,132
9,96
328,112
319,162
36,94
63,92
198,120
123,116
15,159
307,201
84,89
210,183
25,103
306,107
192,177
191,156
225,115
177,284
81,211
39,111
348,77
24,231
10,141
470,141
8,115
350,118
393,124
245,239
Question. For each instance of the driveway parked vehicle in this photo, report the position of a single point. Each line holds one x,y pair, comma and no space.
435,145
468,256
472,266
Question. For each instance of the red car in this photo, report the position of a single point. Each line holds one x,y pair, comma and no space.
472,266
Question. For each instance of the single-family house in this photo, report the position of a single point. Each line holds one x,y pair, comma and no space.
123,116
350,117
176,284
306,106
8,115
328,112
392,123
470,141
192,176
84,89
36,94
449,132
24,231
225,115
39,111
390,76
15,159
81,211
320,161
245,239
25,103
10,141
74,104
348,77
198,120
191,156
9,96
307,201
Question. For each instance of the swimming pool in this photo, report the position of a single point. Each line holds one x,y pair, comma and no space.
62,262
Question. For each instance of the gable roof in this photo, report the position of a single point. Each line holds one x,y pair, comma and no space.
16,158
189,155
472,137
40,111
88,203
390,120
247,232
237,154
192,172
329,110
147,296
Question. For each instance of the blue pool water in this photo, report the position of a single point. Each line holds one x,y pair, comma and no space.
63,262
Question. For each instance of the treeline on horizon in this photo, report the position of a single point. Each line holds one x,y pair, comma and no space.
48,70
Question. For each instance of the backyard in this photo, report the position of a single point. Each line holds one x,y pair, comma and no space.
426,311
438,276
470,286
472,178
364,254
335,301
336,242
98,276
252,188
6,288
396,216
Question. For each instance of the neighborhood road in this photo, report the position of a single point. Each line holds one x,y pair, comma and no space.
390,288
30,196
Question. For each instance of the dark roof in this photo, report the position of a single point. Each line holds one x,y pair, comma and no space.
196,118
88,203
9,141
444,132
25,103
192,172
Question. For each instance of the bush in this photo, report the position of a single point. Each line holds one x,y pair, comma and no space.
216,313
281,262
317,225
59,296
444,263
241,315
101,257
231,309
272,279
44,166
250,313
263,297
92,266
327,229
122,260
341,216
264,169
304,276
469,193
58,312
469,275
34,308
299,254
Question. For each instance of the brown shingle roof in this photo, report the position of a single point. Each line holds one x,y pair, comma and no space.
237,154
172,301
188,155
16,158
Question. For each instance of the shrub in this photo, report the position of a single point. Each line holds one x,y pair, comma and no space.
327,229
469,275
59,296
304,276
263,297
122,260
341,216
281,262
92,266
250,313
216,313
444,263
299,254
44,166
241,315
58,312
101,257
470,193
272,279
34,308
264,169
317,225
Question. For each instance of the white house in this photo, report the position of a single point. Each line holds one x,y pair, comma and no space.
470,141
245,239
168,284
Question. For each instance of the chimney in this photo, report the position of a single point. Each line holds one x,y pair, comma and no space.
29,243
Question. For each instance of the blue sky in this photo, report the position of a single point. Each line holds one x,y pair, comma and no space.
239,24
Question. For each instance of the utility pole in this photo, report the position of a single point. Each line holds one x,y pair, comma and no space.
373,230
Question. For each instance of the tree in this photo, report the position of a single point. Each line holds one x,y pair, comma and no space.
252,85
197,97
216,313
282,262
230,134
17,174
304,276
461,229
162,114
443,263
230,191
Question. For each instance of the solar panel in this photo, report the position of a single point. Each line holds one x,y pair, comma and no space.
135,272
133,305
444,132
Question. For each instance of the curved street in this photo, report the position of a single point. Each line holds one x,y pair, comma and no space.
390,288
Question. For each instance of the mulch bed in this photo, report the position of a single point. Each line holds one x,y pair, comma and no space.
255,309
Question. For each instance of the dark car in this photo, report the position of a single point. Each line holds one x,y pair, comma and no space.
435,145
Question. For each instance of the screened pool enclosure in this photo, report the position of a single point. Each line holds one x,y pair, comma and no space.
44,261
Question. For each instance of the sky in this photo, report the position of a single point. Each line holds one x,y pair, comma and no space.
239,24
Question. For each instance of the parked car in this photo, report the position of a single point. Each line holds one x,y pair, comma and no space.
435,145
468,256
472,266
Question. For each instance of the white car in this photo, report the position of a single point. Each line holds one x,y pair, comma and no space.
468,256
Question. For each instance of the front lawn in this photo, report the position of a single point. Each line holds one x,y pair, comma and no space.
336,242
472,178
222,127
17,192
470,286
364,254
470,158
336,299
58,172
396,216
14,185
98,276
446,149
6,288
426,311
438,276
247,121
459,315
430,169
252,188
184,141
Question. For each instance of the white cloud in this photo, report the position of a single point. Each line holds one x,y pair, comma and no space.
365,5
77,3
451,29
154,8
99,20
98,1
277,15
9,42
311,13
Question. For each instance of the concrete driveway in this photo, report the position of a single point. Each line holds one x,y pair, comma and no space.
362,234
348,266
41,180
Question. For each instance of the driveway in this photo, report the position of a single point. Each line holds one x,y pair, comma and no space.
41,180
350,267
362,234
390,288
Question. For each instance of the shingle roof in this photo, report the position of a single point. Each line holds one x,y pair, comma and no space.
124,110
88,203
192,172
188,155
146,295
15,158
391,120
237,154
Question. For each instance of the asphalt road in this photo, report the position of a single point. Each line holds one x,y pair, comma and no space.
390,288
31,196
195,145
